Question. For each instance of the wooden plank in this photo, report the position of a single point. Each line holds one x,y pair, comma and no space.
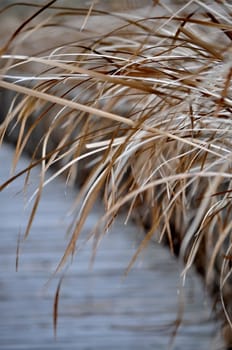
98,308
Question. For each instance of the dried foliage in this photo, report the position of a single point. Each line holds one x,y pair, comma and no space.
135,107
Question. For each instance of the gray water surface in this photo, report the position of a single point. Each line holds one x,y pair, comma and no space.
98,307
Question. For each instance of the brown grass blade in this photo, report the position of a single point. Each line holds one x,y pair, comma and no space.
42,9
56,305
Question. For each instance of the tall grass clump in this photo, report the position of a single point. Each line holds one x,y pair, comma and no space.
135,105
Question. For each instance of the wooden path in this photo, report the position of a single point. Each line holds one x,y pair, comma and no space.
98,309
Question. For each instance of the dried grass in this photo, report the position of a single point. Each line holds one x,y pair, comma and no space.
138,110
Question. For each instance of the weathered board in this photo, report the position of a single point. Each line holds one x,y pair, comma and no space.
98,308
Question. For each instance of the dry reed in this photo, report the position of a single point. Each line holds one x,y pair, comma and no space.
135,107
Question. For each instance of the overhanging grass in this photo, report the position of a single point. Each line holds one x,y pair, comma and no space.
137,108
